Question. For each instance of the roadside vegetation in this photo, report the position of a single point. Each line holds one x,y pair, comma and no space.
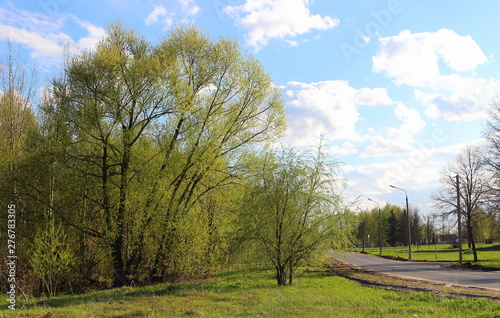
253,293
489,254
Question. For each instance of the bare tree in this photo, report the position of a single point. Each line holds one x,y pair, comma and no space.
469,166
491,155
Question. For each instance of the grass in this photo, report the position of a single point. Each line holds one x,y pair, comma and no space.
255,294
488,254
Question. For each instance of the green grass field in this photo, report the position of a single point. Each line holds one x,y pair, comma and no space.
255,294
488,254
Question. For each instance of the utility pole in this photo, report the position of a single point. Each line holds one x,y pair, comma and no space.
459,223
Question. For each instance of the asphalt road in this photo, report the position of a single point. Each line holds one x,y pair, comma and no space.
431,271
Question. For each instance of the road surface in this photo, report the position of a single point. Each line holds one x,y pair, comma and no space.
419,270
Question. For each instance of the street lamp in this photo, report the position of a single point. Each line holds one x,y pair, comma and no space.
379,225
408,215
364,237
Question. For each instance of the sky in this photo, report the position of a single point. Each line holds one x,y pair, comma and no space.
397,87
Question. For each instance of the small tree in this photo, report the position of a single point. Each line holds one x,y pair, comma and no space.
293,206
392,229
51,258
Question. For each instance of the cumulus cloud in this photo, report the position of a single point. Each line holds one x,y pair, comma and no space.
185,10
399,140
413,59
456,107
276,19
189,7
374,179
41,46
44,35
95,34
328,107
347,148
417,172
158,11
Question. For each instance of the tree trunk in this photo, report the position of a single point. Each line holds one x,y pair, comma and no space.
281,275
471,239
120,272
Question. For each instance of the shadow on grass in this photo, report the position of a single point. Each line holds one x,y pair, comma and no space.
109,296
489,248
226,282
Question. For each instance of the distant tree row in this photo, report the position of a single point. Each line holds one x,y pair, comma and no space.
394,225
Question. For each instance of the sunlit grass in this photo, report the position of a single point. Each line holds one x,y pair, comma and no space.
255,294
488,254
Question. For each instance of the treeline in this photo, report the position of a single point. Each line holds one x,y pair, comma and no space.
394,227
423,227
143,163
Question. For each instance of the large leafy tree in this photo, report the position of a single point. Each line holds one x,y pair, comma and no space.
150,131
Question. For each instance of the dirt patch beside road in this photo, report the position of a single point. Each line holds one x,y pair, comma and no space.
392,282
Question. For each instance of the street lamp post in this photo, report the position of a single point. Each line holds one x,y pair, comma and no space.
379,225
408,215
364,237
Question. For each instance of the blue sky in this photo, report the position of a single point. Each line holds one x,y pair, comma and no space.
398,87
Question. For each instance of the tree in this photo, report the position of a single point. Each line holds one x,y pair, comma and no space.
392,230
429,227
416,226
17,122
293,205
469,166
491,153
151,132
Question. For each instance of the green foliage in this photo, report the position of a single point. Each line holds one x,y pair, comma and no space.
51,257
137,152
293,206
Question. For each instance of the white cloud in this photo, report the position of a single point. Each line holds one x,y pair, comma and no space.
44,35
400,141
43,47
455,107
347,148
413,59
328,107
270,19
95,35
185,10
418,173
159,11
372,97
189,7
374,179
